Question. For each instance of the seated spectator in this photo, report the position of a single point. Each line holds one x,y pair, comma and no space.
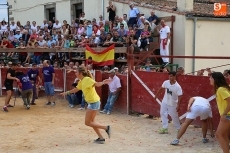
34,35
108,40
107,26
96,31
94,41
25,37
122,31
57,25
72,98
145,35
64,30
200,72
11,36
18,34
51,41
80,31
132,42
153,19
121,21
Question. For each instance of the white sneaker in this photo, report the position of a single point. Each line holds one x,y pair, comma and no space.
103,112
123,58
119,58
81,108
108,113
53,103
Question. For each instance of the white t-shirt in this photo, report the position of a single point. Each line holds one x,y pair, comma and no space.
42,43
164,31
34,27
4,28
171,93
44,25
13,27
114,84
57,26
200,101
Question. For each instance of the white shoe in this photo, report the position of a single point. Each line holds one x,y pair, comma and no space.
81,108
123,58
103,112
108,113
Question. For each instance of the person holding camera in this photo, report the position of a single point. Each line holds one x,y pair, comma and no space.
132,42
111,9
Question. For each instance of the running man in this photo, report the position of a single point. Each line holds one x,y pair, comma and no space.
10,78
197,106
48,77
170,103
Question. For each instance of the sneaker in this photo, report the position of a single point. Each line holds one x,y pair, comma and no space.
53,103
108,131
48,103
119,58
9,105
81,108
71,106
32,104
175,142
28,107
5,109
163,131
108,113
123,58
141,50
103,112
99,141
205,140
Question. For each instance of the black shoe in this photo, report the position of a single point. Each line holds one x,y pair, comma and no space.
32,103
48,103
99,141
108,131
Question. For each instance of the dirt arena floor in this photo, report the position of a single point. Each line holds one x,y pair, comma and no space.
60,129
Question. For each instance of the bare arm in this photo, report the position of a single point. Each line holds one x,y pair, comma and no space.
10,77
190,102
158,92
53,75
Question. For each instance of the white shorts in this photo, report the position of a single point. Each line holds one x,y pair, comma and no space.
203,112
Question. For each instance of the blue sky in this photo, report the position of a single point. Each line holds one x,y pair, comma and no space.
3,13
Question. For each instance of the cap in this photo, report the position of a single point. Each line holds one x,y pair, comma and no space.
115,68
112,71
86,37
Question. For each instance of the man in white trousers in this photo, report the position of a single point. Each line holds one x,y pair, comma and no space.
165,41
170,103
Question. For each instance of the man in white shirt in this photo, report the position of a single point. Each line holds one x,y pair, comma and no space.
45,24
197,106
122,21
165,41
170,103
114,90
13,26
57,25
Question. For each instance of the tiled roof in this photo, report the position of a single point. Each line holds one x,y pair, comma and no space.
202,8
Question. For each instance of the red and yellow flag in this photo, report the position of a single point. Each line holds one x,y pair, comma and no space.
106,57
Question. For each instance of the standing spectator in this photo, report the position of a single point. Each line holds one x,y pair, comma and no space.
82,18
180,71
170,103
111,9
154,20
28,25
132,42
165,40
10,77
3,27
48,78
133,13
37,55
114,90
33,74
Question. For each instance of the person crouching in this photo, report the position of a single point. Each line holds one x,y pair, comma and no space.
25,87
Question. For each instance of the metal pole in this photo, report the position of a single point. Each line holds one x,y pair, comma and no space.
8,13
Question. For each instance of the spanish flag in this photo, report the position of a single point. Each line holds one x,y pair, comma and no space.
105,57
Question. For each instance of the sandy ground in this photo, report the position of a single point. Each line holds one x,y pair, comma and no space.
60,129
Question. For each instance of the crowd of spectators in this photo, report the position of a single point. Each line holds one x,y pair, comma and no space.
136,31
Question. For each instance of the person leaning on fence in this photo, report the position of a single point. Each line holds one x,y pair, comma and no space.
25,88
73,98
48,78
114,90
33,74
10,78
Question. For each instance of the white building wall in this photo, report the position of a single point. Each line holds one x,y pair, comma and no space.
212,39
30,10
